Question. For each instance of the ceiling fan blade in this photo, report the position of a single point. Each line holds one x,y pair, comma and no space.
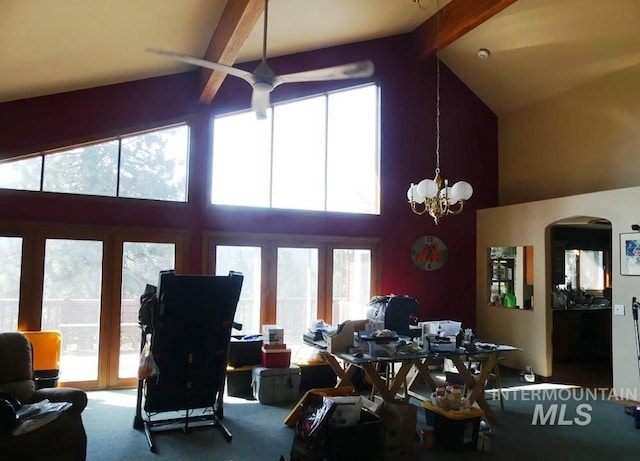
243,74
260,102
357,69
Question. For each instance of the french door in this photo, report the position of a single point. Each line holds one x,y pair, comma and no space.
293,281
87,284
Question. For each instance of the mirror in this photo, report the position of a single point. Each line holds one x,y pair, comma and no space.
511,277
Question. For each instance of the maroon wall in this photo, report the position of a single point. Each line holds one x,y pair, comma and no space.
469,151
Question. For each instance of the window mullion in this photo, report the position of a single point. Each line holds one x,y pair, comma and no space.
118,167
271,142
42,173
326,151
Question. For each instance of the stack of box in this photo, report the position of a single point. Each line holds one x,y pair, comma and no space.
276,380
274,350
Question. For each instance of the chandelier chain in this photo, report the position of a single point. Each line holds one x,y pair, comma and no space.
437,114
434,196
437,87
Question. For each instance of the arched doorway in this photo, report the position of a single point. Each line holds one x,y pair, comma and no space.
581,288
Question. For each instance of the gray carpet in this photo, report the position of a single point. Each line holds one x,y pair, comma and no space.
259,432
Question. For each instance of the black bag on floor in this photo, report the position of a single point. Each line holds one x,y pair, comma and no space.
311,428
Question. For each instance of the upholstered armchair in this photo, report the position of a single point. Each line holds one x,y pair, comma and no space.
64,438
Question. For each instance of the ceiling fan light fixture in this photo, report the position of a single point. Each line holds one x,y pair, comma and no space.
263,86
263,80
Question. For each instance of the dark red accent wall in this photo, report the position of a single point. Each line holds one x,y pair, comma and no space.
469,151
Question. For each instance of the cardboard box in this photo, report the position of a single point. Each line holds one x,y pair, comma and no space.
272,334
276,358
455,430
273,385
347,410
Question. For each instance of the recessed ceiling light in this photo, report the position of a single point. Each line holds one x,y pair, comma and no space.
483,53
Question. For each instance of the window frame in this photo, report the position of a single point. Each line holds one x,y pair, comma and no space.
119,138
377,199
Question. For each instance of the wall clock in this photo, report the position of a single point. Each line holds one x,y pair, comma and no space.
429,253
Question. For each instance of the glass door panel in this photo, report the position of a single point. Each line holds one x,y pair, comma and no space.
71,302
351,284
11,257
141,264
248,260
296,292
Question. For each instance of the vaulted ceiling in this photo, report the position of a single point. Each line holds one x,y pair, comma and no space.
538,47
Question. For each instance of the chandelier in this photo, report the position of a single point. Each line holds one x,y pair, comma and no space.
434,196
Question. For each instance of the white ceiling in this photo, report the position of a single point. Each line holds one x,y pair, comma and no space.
539,47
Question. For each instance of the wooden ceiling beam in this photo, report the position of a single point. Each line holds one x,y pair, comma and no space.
236,23
456,19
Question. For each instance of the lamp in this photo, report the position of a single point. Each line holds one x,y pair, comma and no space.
434,196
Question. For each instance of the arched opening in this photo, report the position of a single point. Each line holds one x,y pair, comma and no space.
581,294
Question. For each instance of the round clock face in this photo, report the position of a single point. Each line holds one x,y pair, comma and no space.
429,253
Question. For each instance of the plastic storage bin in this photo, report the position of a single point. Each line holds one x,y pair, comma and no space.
363,440
273,385
276,358
46,356
243,352
455,430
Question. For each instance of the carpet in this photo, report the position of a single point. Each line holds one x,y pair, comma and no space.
541,421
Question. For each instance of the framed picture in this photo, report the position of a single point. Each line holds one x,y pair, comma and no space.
630,253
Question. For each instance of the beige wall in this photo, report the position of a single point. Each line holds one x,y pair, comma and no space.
569,146
527,224
585,140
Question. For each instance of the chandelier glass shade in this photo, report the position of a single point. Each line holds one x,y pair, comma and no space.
434,196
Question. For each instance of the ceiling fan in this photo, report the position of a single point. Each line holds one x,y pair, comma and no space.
263,80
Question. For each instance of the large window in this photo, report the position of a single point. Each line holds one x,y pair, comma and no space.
151,165
319,153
